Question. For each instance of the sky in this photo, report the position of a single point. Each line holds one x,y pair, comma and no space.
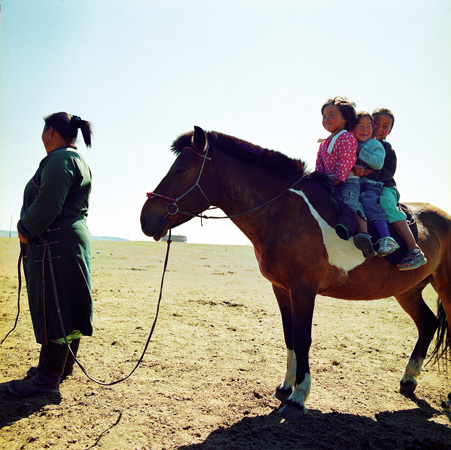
144,72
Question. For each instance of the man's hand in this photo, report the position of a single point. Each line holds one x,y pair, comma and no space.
23,239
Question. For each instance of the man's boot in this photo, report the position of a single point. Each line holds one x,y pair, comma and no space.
52,360
69,367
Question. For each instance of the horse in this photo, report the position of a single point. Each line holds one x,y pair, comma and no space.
286,213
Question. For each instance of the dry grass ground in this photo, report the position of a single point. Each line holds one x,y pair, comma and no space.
214,360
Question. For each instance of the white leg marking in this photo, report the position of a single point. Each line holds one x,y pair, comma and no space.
301,391
290,375
342,254
413,370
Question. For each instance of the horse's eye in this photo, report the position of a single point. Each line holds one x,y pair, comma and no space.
180,171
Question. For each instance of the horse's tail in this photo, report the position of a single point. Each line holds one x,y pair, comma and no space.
442,349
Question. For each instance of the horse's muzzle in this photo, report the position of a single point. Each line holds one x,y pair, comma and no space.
153,228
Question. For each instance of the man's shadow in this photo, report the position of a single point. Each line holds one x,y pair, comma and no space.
15,408
407,429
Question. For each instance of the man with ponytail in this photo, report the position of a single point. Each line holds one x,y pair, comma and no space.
56,248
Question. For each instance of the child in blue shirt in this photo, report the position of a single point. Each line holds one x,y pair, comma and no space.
371,154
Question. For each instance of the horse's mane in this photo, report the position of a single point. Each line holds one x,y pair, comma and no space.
274,161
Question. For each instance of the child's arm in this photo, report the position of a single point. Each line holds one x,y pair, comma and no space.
372,155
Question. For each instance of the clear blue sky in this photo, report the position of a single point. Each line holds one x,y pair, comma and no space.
145,71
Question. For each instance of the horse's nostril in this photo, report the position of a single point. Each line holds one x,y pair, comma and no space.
143,221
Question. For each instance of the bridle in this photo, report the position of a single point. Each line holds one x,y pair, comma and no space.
172,208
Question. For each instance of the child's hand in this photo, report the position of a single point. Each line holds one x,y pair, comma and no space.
359,171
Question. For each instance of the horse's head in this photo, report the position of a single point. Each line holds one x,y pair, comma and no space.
179,196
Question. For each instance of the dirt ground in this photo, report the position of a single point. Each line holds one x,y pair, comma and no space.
216,356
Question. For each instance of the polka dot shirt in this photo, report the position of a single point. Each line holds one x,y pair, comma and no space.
341,159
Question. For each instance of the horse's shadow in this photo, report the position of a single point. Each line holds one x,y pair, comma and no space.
406,429
15,408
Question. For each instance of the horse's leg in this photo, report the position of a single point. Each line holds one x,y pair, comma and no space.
284,390
302,304
412,302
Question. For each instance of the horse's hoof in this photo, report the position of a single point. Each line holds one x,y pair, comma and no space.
291,410
282,394
407,388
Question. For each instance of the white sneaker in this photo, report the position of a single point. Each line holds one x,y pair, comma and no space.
386,246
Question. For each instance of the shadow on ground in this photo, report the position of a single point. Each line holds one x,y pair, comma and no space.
19,408
336,431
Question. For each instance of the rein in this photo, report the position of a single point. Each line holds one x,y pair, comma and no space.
52,274
173,208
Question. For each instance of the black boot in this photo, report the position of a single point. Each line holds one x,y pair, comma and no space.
48,373
68,368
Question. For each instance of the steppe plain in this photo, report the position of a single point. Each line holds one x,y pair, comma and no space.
214,360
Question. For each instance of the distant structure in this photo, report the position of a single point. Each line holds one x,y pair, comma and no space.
175,238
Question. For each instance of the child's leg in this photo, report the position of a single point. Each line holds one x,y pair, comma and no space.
386,244
414,257
405,232
388,200
381,228
362,225
369,197
350,193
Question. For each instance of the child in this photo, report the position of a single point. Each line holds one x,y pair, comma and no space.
383,124
336,157
371,154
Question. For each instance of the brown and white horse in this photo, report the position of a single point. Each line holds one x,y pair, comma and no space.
287,216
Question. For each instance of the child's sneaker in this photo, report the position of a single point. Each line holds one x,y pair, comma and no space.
386,245
413,259
363,242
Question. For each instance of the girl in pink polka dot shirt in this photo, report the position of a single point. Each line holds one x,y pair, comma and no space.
336,158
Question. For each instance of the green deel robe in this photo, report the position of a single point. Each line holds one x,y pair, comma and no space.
53,216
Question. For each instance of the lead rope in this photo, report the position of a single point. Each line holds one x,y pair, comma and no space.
19,263
52,274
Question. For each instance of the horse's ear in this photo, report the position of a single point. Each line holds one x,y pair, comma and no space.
200,140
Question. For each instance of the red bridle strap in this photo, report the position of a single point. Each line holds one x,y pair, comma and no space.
154,195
